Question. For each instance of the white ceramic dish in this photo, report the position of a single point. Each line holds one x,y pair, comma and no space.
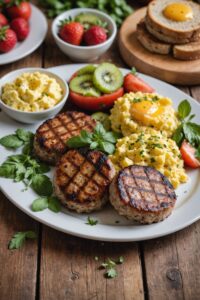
82,53
38,26
33,117
187,208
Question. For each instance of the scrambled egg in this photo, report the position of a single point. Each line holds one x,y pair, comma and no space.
134,110
148,147
32,92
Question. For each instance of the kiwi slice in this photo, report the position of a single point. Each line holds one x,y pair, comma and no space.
102,118
89,69
107,78
84,85
87,19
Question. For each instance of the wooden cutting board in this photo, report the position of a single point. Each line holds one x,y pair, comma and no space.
164,67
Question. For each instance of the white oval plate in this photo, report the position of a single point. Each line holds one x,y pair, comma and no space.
111,227
38,30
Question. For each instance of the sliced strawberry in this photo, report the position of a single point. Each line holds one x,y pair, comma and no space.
133,83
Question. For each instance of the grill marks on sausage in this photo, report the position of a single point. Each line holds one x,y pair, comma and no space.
145,188
83,175
54,133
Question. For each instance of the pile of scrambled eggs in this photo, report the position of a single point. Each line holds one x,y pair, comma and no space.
134,110
148,147
147,121
32,92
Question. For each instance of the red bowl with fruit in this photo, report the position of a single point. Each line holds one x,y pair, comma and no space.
84,34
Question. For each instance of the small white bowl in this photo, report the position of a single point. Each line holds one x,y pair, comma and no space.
32,117
84,53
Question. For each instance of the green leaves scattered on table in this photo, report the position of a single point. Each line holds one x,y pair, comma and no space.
19,139
117,9
91,221
187,130
19,238
43,203
99,139
110,266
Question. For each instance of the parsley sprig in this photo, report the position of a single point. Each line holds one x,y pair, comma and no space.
187,130
19,239
110,266
91,221
99,139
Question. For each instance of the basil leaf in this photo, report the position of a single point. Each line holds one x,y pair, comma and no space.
110,137
7,171
178,135
197,153
42,168
42,185
86,137
54,204
24,135
40,204
192,133
76,142
108,147
184,109
11,141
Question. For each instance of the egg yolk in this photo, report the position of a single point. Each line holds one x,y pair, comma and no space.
145,110
178,11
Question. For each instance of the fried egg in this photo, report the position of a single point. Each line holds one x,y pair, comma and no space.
178,11
134,110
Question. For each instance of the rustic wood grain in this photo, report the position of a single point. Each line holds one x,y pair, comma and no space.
69,269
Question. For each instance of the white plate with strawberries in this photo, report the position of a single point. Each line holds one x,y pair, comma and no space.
25,35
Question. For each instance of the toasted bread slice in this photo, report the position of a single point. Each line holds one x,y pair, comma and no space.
151,43
189,51
172,31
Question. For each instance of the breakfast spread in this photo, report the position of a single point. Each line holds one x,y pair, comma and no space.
14,24
85,29
171,27
133,156
32,92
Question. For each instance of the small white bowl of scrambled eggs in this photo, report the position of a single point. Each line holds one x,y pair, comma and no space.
31,95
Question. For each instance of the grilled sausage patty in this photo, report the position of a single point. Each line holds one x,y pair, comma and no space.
142,194
51,137
82,178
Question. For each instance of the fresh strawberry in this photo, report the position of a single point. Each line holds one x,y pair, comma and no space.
132,83
8,39
71,32
3,20
21,28
95,35
18,9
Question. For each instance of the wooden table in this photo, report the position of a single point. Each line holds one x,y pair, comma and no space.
58,266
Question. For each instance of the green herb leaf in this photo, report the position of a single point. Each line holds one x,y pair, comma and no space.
91,221
76,142
133,71
184,109
54,204
7,171
19,238
111,273
11,142
121,260
24,135
197,153
192,133
178,135
42,185
40,204
107,147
